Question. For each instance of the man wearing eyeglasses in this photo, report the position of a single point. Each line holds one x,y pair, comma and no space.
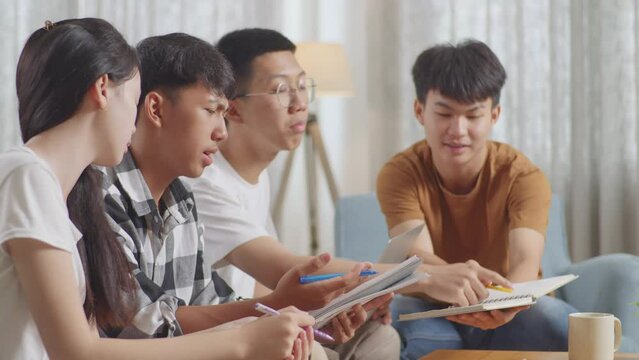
267,115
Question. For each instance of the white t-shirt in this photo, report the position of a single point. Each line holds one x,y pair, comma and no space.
31,206
233,211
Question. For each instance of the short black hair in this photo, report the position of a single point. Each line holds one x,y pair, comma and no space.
241,47
173,61
467,72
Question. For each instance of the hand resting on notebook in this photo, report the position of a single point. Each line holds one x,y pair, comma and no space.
487,320
459,284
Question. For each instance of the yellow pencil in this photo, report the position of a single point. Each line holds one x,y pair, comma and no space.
499,288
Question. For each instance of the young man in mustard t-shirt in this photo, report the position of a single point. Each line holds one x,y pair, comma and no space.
481,201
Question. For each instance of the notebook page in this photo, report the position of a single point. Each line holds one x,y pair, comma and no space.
535,288
372,286
323,318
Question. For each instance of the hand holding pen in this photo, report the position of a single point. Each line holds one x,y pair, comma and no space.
307,279
316,294
271,312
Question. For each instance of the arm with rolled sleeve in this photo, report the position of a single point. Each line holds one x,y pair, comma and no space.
528,205
155,315
157,307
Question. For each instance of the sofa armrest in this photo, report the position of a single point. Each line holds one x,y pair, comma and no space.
607,283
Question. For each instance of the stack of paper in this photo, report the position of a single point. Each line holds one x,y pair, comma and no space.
402,275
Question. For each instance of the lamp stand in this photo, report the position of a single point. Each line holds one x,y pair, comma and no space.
313,145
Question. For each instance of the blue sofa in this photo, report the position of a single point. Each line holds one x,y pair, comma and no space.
607,283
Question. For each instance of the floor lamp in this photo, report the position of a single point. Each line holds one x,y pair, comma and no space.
326,63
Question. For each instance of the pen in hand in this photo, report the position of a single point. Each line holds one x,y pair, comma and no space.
306,279
268,311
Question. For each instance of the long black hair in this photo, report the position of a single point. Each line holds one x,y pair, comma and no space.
58,65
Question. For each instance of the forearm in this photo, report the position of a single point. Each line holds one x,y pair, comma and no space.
420,289
269,273
520,271
198,318
263,258
428,258
336,265
344,265
47,278
525,249
227,344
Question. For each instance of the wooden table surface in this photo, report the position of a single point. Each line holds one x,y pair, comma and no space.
506,355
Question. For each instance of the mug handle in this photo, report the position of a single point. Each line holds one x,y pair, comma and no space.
617,333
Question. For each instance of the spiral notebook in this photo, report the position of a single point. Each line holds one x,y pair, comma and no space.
398,277
525,293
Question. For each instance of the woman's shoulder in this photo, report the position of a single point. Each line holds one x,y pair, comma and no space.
22,162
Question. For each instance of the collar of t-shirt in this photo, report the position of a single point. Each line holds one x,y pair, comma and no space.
471,195
222,163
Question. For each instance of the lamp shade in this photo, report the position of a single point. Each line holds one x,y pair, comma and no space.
327,64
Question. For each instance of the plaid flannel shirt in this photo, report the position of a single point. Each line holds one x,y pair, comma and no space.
164,247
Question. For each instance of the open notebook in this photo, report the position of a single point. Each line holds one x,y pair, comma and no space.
525,293
398,277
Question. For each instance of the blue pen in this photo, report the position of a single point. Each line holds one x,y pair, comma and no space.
268,311
305,279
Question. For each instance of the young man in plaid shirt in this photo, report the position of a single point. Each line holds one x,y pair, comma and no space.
185,86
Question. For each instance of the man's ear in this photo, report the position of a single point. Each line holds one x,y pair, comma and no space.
99,91
418,108
494,114
233,113
153,108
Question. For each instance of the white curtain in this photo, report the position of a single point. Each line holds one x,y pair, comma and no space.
570,101
136,19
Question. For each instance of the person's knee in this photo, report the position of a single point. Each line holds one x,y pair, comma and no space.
373,340
409,304
319,353
551,311
550,316
420,337
382,343
424,328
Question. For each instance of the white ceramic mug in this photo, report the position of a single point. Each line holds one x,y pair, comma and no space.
593,336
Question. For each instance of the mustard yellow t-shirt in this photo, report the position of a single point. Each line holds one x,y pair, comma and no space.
511,192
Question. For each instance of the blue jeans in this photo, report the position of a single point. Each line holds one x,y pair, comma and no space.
543,327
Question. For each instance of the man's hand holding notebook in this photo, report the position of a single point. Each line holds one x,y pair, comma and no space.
523,294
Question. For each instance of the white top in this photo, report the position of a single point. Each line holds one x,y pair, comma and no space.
31,206
233,212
